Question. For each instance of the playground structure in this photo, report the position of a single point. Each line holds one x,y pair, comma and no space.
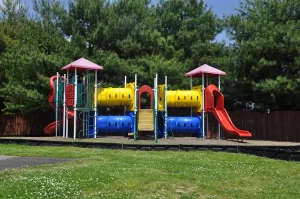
180,98
77,97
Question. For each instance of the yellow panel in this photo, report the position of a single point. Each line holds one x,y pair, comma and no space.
161,101
198,89
131,86
115,96
181,98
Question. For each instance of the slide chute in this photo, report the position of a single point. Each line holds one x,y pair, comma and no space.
214,103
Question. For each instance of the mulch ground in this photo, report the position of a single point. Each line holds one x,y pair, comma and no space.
175,141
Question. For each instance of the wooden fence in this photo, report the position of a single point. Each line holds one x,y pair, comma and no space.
32,124
276,126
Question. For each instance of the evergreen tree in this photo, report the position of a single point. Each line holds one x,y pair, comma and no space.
266,52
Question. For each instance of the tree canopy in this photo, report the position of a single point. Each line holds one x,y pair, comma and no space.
267,52
130,37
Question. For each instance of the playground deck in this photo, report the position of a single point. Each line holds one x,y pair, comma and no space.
169,141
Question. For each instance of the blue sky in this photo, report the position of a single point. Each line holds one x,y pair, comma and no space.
221,8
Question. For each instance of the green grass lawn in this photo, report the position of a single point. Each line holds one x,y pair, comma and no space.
98,173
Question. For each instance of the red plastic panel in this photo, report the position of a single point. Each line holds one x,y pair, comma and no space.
213,98
145,89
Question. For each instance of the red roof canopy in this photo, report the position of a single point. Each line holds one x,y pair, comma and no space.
82,65
206,70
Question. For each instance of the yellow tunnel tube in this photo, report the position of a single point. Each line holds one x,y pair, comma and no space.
181,98
117,96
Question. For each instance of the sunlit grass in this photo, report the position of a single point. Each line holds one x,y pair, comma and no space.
98,173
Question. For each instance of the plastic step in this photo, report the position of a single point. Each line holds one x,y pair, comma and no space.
146,120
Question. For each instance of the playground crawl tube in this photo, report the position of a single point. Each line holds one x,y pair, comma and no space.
181,98
184,125
115,124
117,96
214,103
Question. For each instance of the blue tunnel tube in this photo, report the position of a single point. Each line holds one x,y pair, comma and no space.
115,124
184,125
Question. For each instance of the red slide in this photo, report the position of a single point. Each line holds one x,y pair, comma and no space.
214,103
225,121
50,129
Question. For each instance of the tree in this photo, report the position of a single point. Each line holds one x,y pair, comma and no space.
190,28
127,37
12,10
266,52
36,52
188,23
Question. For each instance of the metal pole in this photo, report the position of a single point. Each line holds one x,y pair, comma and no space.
203,112
95,105
166,107
75,103
219,126
206,113
125,82
191,87
64,113
155,103
56,104
67,110
135,106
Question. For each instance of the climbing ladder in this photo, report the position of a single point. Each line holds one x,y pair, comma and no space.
85,108
146,120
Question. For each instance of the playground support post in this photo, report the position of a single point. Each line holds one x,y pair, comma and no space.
64,111
166,107
135,106
125,82
67,110
191,87
203,112
95,104
219,126
56,104
155,106
75,103
206,113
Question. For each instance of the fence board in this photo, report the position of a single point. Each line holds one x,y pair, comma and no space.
276,126
32,124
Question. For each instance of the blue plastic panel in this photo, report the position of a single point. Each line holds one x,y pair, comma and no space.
114,124
184,124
